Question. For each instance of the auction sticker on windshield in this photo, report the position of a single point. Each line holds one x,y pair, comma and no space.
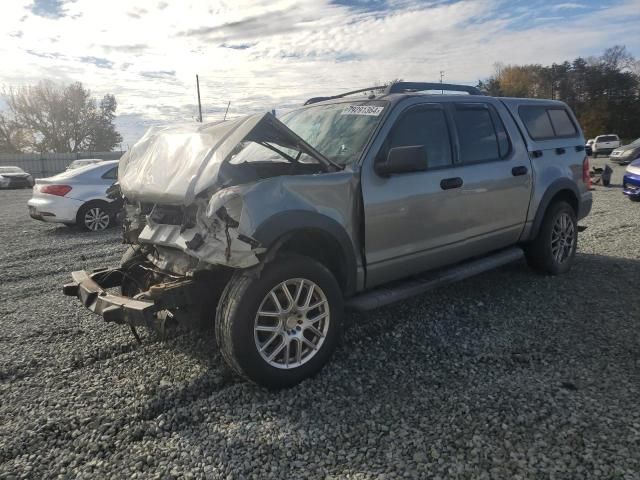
369,110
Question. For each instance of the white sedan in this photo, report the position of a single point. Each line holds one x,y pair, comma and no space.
77,196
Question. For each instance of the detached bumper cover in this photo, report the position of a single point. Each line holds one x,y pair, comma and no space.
90,288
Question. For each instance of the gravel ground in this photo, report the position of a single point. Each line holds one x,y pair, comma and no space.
506,375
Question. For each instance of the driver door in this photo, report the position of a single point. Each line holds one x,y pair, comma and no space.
412,220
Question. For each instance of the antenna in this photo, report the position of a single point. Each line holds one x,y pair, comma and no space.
199,104
441,78
225,113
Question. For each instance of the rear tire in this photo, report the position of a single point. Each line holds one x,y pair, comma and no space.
94,216
274,338
554,249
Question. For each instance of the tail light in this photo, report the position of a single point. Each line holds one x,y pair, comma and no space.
59,190
586,178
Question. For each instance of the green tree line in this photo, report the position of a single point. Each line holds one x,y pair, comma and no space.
603,91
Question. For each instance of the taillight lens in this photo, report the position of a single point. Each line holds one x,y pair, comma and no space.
585,173
59,190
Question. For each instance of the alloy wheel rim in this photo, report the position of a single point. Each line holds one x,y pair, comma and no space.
96,219
562,238
291,323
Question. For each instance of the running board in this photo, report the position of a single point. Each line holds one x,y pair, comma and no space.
401,291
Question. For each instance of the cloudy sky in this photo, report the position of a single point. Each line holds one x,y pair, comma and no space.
274,54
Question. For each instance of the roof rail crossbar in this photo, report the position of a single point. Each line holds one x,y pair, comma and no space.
400,87
322,99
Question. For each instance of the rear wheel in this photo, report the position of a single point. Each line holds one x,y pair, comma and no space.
283,326
94,216
554,249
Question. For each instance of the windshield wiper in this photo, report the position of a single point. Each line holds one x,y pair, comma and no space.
297,158
280,152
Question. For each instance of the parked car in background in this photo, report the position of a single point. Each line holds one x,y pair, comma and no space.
77,197
83,163
15,177
626,153
588,147
631,181
270,226
604,144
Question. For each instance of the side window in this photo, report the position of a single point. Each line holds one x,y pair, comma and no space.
545,123
562,124
481,134
537,122
111,174
426,127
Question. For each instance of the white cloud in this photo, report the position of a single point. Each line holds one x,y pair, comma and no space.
262,55
567,6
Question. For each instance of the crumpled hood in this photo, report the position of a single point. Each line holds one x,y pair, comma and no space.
171,165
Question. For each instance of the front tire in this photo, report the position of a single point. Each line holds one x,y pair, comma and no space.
554,249
281,326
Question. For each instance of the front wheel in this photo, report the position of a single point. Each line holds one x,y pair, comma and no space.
281,326
554,249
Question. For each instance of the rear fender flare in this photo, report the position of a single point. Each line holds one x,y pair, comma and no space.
559,185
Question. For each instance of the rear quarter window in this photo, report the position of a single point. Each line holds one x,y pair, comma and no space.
561,123
111,174
545,123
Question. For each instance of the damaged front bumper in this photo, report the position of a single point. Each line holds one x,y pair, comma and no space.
92,289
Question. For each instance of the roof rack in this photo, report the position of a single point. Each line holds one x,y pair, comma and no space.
400,87
322,99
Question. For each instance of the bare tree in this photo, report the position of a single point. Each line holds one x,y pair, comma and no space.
13,138
64,118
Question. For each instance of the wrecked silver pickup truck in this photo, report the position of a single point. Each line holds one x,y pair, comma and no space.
268,228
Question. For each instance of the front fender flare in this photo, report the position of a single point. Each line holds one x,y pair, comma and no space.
281,224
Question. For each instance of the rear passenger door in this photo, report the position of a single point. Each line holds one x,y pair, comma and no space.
494,165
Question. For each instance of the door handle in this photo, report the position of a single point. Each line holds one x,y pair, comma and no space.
536,153
560,151
449,183
579,148
517,171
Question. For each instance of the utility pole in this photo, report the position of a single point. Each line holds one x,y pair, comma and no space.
441,77
199,104
227,110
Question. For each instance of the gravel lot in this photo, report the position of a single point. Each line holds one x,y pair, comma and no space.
506,375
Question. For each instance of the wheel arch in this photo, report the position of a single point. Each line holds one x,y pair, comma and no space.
316,236
94,201
561,190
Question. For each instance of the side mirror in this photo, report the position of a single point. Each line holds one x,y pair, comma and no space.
403,160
